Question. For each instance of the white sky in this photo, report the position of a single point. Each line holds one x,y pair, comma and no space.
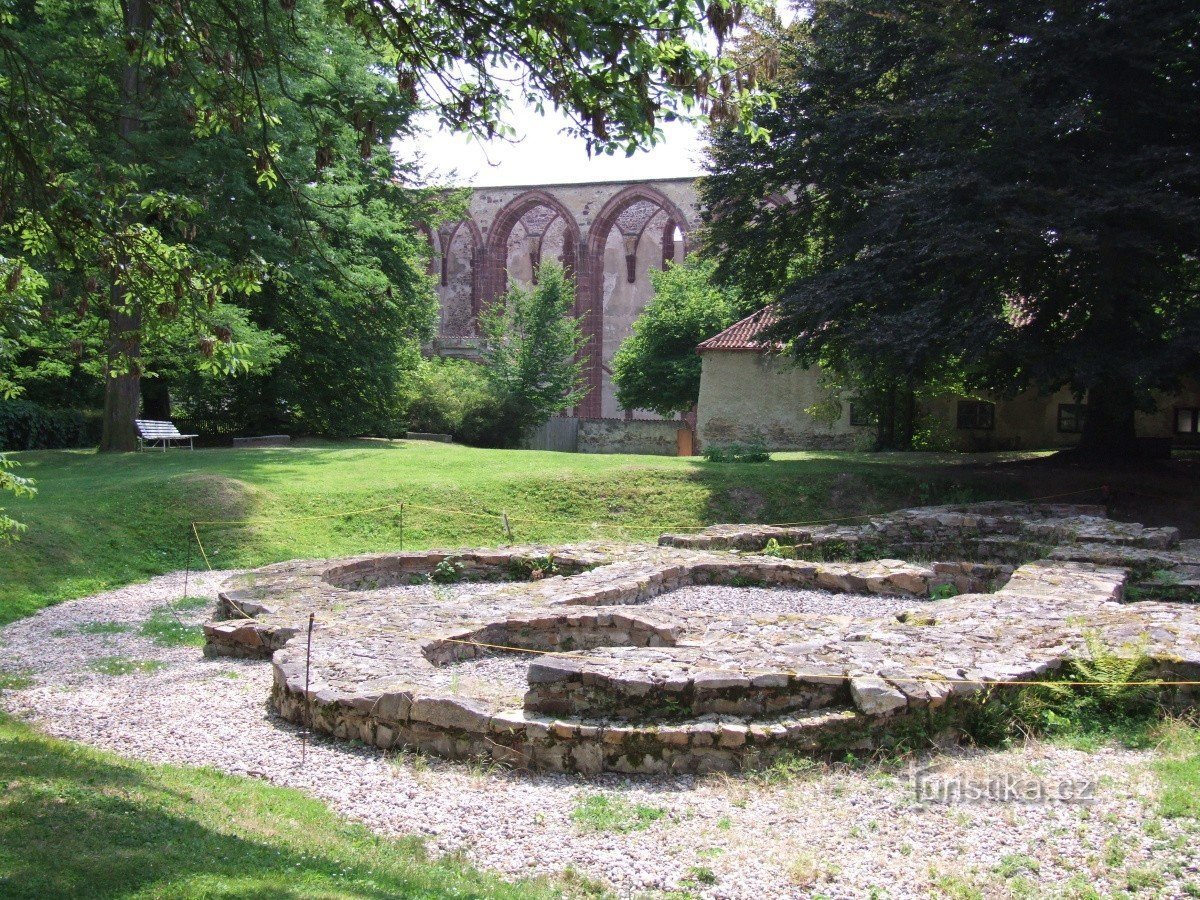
542,155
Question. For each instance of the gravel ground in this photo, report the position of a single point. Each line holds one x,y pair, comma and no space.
833,832
724,601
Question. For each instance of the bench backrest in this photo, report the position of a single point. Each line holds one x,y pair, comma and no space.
152,428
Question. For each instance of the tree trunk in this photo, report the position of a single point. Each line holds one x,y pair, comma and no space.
122,391
908,417
885,438
122,381
1108,430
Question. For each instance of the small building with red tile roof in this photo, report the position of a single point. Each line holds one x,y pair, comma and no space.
752,392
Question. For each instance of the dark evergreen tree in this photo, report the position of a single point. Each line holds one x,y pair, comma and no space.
1010,191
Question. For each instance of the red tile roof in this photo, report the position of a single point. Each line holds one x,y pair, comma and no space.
747,334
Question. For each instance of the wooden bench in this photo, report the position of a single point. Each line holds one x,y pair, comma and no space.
152,432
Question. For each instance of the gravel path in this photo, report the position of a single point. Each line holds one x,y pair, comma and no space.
838,832
724,601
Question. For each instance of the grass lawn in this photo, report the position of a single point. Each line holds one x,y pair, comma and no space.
80,822
103,521
76,822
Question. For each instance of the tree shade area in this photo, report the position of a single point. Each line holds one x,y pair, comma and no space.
197,189
166,830
983,197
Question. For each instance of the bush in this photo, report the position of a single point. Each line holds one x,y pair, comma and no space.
449,396
28,426
740,453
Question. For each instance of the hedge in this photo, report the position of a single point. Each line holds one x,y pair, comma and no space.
29,426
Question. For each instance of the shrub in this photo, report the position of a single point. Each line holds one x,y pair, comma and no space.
446,396
740,453
28,426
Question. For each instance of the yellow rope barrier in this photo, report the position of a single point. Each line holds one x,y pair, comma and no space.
661,527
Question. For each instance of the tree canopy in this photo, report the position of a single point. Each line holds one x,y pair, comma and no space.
657,367
166,163
532,354
1010,190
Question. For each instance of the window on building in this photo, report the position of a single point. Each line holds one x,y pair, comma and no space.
861,414
1070,417
1187,420
976,414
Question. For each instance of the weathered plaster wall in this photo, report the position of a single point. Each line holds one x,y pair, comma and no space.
758,397
656,438
747,396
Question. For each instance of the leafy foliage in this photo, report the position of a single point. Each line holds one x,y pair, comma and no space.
657,366
1104,694
28,426
532,354
1009,192
10,529
166,163
445,396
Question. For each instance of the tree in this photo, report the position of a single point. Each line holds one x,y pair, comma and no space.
533,354
1010,191
17,304
657,367
105,113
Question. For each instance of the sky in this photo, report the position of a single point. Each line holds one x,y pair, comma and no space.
544,156
541,155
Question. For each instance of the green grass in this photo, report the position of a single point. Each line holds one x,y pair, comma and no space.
14,681
609,813
76,822
166,630
1180,797
103,521
123,665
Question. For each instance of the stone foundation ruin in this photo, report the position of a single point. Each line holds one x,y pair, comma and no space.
615,682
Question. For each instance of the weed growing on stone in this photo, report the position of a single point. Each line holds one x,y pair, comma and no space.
448,571
415,761
786,769
1014,864
805,870
700,875
123,665
607,813
954,887
532,569
943,592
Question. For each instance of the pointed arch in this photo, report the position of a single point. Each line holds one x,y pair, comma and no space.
591,280
500,232
458,305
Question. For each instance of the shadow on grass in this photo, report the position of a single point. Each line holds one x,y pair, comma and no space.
80,823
